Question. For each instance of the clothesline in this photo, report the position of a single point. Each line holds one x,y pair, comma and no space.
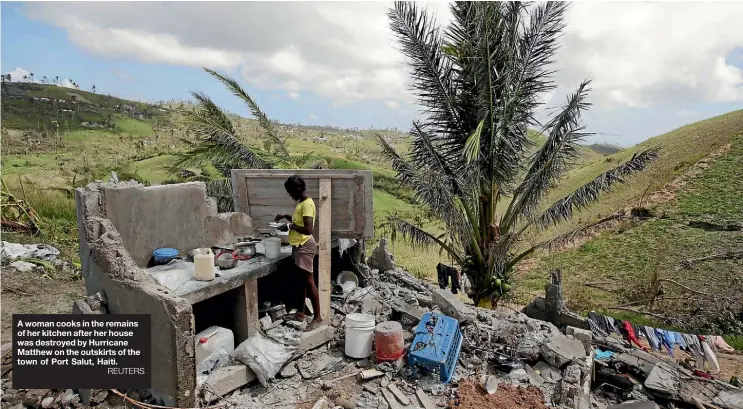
702,348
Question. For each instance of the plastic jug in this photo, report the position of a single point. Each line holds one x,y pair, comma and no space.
203,264
213,339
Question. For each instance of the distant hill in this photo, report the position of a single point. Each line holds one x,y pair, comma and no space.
36,107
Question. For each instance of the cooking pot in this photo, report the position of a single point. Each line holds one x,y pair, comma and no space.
245,249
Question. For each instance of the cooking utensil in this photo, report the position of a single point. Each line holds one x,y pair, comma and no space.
225,261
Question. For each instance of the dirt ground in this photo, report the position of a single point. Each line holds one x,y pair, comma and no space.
471,396
35,293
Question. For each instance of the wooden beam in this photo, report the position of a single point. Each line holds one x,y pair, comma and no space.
246,310
325,249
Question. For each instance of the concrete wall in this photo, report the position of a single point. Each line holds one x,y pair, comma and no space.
128,289
119,227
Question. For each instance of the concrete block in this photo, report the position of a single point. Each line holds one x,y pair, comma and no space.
636,405
318,336
451,306
582,335
562,350
226,379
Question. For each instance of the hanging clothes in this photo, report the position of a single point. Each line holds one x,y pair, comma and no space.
652,338
669,337
613,326
721,345
596,324
638,331
629,333
664,341
680,340
710,358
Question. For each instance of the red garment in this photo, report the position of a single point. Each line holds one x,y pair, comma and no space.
702,374
630,333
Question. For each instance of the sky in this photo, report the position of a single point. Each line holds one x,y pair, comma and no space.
653,66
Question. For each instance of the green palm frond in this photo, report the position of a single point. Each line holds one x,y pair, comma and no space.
265,123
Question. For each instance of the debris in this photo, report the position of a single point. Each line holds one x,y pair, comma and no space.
451,306
562,350
489,384
345,403
636,405
369,374
398,394
381,258
289,371
47,402
534,378
319,404
265,355
424,399
548,372
15,251
391,400
23,266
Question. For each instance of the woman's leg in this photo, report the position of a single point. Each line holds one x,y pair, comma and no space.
311,288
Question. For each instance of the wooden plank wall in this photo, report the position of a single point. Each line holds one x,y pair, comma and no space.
261,194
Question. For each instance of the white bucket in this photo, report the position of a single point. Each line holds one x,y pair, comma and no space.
272,247
359,335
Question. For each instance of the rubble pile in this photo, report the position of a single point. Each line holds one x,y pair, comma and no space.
28,257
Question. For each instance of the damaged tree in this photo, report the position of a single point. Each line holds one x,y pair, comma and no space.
471,163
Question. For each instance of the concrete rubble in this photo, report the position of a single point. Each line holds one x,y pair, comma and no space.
524,353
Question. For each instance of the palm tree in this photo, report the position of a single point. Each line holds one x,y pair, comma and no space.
8,76
471,163
56,79
219,143
93,88
31,75
44,80
25,77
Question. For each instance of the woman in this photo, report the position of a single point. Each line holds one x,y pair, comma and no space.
304,247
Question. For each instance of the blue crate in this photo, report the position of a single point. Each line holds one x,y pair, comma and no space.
436,345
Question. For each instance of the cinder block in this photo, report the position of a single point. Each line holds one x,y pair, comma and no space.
318,336
582,335
226,379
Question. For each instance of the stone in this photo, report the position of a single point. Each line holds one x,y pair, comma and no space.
548,372
226,379
398,394
318,336
534,378
451,306
663,381
518,376
47,402
23,266
582,335
70,398
289,370
562,350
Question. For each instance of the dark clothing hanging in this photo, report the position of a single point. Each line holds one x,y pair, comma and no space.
445,272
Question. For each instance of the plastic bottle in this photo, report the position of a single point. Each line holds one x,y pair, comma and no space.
204,264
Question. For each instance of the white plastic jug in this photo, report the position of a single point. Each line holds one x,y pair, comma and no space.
272,247
359,335
203,264
212,339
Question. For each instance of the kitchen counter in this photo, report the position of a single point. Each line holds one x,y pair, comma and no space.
245,270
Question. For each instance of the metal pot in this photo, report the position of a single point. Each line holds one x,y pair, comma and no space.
225,261
245,249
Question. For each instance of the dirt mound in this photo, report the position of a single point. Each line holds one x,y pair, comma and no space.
471,396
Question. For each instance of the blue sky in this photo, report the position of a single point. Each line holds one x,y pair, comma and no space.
335,63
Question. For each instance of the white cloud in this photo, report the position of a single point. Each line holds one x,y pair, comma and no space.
637,54
17,75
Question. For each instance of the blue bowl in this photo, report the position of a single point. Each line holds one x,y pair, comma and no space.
164,255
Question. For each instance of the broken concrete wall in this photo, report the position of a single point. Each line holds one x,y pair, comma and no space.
177,216
129,290
551,308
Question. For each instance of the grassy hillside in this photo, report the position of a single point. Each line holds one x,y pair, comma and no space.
699,216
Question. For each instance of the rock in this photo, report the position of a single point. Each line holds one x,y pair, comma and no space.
451,306
70,398
518,376
534,378
562,350
23,266
289,370
663,381
47,402
364,363
548,372
18,406
636,405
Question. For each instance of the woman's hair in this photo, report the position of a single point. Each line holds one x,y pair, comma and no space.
295,184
